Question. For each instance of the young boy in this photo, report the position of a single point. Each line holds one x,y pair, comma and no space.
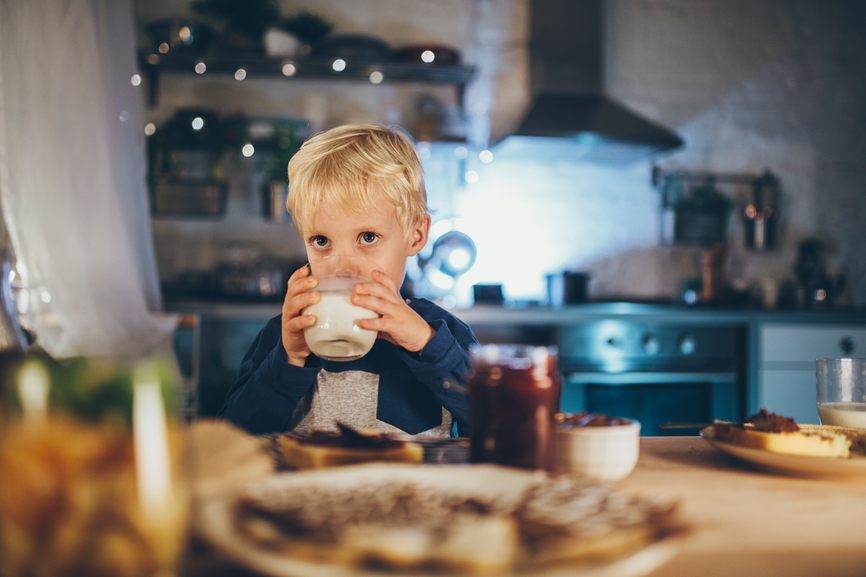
357,190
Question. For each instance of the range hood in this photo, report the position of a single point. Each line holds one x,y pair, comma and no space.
570,117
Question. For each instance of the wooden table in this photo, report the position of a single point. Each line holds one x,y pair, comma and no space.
744,522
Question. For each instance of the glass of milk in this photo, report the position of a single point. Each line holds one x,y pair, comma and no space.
336,335
841,385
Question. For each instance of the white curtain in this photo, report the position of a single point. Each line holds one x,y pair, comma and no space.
72,177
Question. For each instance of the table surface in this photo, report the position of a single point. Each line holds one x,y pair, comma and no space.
743,521
747,522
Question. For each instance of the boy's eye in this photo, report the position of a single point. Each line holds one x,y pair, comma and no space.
319,241
368,237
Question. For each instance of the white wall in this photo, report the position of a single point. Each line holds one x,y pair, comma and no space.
777,84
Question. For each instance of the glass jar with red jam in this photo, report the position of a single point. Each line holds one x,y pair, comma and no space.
513,394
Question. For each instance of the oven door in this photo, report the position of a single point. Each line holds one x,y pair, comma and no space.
654,398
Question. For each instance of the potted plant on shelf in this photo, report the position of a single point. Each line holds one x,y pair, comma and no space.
278,147
192,144
244,22
308,28
185,157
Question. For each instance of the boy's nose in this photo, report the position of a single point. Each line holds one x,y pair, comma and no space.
348,251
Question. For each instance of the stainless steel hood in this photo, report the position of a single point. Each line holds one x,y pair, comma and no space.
570,117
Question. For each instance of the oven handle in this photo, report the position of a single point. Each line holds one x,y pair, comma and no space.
647,378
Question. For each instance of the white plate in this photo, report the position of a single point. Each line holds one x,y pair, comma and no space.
215,522
797,465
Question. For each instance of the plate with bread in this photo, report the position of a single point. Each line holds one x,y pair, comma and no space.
780,445
336,516
347,445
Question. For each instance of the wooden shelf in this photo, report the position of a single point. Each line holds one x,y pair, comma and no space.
304,69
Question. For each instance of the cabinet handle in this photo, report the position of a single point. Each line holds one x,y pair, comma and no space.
846,345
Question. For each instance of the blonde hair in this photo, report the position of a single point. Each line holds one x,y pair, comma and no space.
351,165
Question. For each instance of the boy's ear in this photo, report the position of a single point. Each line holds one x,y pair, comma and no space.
419,235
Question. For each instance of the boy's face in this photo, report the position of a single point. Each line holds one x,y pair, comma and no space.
375,235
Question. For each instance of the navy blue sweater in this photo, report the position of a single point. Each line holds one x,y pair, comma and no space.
413,387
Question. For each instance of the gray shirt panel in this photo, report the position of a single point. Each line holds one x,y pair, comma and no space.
352,398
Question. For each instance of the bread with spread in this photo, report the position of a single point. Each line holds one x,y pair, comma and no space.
772,432
346,446
470,520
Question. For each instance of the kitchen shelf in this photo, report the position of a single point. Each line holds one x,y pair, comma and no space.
306,68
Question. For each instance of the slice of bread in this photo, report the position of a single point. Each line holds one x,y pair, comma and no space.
772,432
303,455
468,544
468,520
478,545
856,435
823,444
621,542
319,449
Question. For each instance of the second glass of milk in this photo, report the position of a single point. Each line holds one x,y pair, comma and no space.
336,335
841,388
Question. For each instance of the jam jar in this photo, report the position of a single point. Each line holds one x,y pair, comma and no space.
514,394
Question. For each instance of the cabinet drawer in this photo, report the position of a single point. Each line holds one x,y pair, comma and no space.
785,343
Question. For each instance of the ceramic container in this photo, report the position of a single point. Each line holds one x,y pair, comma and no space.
604,453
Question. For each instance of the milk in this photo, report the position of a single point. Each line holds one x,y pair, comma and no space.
336,335
843,414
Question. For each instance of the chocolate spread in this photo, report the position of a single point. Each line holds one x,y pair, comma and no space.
346,437
550,505
767,422
590,420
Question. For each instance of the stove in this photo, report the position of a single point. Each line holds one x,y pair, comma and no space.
657,373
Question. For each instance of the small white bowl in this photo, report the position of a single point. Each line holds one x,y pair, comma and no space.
604,453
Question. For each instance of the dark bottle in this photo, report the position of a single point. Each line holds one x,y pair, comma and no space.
514,394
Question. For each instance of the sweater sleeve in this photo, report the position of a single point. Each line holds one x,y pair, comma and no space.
268,388
444,363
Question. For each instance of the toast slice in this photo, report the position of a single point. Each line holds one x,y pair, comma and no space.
771,432
493,522
319,449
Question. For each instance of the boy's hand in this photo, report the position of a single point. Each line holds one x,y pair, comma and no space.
397,322
293,322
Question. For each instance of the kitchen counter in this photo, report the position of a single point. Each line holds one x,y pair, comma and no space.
487,314
540,315
774,365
